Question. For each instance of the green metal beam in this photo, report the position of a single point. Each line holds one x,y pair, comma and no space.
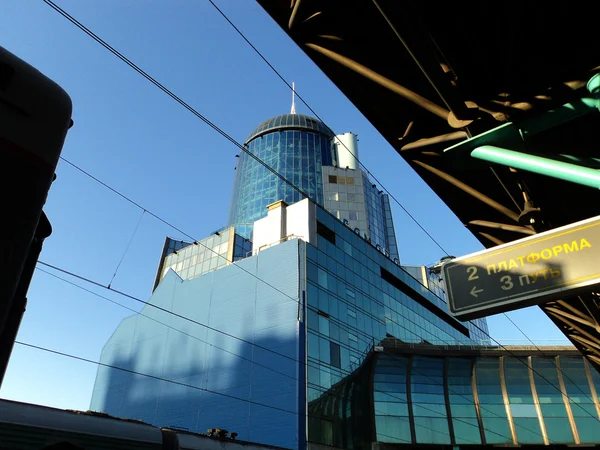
538,164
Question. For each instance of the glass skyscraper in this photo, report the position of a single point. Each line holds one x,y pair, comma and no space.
322,166
324,340
296,326
295,146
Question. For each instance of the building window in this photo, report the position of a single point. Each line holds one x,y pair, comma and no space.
522,404
334,350
322,278
333,179
333,196
427,386
493,413
326,232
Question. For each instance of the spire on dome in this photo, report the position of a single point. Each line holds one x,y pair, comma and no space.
293,111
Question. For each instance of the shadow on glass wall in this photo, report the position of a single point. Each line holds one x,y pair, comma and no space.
194,386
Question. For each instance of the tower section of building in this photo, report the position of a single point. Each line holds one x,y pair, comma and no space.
353,198
296,147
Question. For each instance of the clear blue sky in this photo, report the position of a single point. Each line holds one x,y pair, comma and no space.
139,141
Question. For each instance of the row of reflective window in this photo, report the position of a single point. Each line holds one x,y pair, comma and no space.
457,400
298,156
350,308
495,400
208,254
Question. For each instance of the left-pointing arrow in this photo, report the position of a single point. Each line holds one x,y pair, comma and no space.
475,291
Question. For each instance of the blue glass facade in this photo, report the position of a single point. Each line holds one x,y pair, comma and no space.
251,385
296,147
360,352
171,245
352,198
379,216
457,396
216,251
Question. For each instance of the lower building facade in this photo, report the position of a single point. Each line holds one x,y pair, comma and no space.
420,394
291,347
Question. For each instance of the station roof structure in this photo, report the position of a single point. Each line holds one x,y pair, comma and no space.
438,80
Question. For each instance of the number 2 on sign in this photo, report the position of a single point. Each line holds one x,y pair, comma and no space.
472,271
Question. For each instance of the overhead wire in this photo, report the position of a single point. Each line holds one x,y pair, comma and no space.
169,224
193,337
127,248
165,310
565,394
349,151
158,378
189,108
549,358
154,377
196,113
243,148
307,363
186,106
140,313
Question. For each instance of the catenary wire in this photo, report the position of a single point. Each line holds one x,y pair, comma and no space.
332,132
188,107
191,237
154,377
134,372
185,318
346,371
163,323
224,134
169,93
349,151
343,371
242,35
163,220
179,230
165,310
539,374
127,247
360,163
307,363
210,123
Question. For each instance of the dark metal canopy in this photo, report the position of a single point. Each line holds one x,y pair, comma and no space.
430,75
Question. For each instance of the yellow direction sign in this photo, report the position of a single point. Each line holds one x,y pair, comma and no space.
524,272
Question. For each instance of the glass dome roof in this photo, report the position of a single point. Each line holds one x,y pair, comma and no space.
294,121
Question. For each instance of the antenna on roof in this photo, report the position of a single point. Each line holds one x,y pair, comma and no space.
293,111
